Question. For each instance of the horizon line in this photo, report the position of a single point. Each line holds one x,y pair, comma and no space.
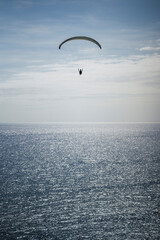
83,122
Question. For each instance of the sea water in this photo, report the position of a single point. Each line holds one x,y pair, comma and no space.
79,181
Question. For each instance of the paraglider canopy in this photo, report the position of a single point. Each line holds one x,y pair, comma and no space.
81,38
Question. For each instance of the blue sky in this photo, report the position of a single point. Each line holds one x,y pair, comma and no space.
40,83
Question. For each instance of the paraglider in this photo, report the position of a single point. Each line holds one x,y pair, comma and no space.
81,38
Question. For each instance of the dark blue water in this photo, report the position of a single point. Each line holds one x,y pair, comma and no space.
79,181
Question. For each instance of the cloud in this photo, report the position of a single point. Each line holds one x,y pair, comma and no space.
149,48
104,79
155,46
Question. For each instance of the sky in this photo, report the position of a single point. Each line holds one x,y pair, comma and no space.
40,83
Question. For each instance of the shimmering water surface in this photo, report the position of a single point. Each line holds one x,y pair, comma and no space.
79,181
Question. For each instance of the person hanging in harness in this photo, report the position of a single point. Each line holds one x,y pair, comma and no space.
80,71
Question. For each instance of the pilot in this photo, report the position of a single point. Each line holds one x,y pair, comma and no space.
80,71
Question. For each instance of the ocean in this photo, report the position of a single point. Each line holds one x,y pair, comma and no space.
79,181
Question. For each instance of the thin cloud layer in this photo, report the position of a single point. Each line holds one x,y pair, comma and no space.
100,78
